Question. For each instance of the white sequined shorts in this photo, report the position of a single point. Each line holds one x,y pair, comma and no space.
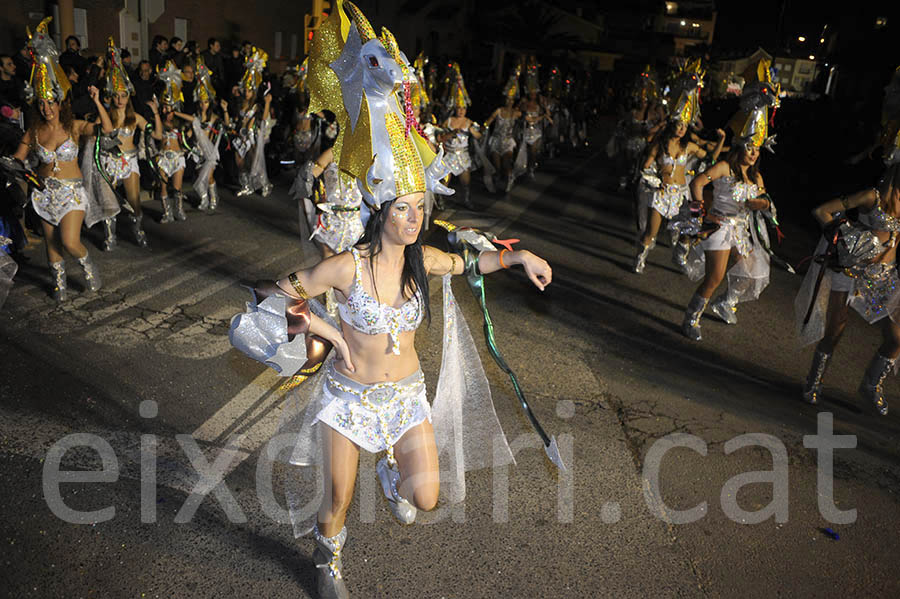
502,145
170,162
667,200
373,416
733,233
60,196
532,134
121,167
458,161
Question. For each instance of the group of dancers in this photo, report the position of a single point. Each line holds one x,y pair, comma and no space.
67,193
670,168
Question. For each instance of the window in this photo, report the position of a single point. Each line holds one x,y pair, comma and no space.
786,68
277,53
671,8
293,45
181,27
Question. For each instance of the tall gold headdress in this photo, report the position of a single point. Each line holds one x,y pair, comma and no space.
355,74
48,81
532,76
117,79
759,100
458,96
684,102
511,89
204,90
254,65
645,88
170,76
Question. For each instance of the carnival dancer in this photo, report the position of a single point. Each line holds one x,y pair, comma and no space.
255,127
642,120
62,202
456,143
663,170
502,142
207,132
855,266
118,154
170,163
535,114
372,394
739,204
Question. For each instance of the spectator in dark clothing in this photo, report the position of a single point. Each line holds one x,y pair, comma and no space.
22,59
72,56
143,82
189,83
159,54
126,62
213,59
82,104
11,87
234,69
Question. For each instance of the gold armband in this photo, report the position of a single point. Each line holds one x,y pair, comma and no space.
295,283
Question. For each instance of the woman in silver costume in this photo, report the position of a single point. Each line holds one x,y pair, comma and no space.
456,140
170,161
207,127
63,201
667,191
371,395
855,266
502,143
118,152
337,225
255,124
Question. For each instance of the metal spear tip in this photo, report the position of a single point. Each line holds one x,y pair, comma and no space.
552,452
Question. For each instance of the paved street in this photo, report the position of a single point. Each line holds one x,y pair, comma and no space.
599,355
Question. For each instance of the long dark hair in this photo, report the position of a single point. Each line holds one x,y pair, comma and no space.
413,278
667,135
735,154
66,118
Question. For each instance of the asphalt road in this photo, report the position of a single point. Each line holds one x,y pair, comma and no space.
599,355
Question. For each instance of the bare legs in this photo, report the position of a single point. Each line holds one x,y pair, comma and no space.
66,236
416,455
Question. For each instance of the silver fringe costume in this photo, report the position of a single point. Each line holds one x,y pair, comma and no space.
59,197
338,224
208,157
456,152
467,432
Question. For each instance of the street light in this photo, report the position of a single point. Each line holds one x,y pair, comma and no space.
801,39
811,57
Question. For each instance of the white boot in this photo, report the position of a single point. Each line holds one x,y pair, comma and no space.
403,510
327,556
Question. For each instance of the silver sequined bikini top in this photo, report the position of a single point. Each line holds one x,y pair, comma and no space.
878,220
367,315
66,152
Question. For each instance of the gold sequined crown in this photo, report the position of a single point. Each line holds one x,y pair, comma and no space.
48,81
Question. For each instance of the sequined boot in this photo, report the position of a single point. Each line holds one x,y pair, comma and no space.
466,200
640,261
266,190
91,273
870,386
509,183
109,234
680,251
58,277
691,325
204,202
725,307
179,206
327,557
812,390
402,509
244,181
213,197
167,216
140,236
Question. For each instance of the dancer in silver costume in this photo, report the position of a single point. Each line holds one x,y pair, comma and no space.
456,143
535,115
502,142
170,159
119,154
371,395
739,199
255,124
207,131
63,201
855,266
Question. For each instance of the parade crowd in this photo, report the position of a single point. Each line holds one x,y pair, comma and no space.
82,137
